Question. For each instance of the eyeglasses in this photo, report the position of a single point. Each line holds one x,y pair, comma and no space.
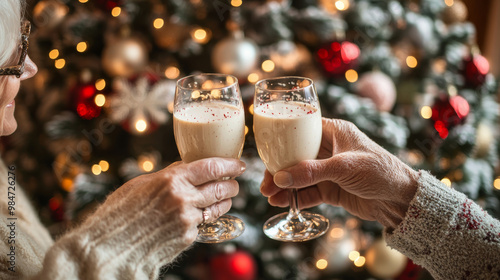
18,70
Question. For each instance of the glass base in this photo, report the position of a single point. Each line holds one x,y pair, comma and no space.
296,228
225,228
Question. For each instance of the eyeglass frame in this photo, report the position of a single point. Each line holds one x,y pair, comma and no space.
18,69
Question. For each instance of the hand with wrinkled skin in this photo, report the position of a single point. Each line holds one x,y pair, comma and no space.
351,171
185,189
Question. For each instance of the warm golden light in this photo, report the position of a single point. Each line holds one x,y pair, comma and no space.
158,23
200,34
236,3
104,165
96,169
172,72
100,84
411,61
426,112
354,255
359,262
147,166
84,1
67,184
250,109
351,75
446,181
170,107
116,11
53,54
195,94
321,264
342,5
496,183
268,66
216,93
81,47
253,78
449,3
100,100
337,233
60,63
141,125
246,130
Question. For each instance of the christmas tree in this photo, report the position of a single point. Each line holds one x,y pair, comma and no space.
99,112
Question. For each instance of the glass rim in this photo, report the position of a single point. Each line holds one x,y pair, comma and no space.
179,81
259,83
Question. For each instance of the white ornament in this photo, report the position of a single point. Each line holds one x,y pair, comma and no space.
135,101
384,262
235,55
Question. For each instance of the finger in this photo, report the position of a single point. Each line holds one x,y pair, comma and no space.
307,198
218,209
212,169
216,191
267,187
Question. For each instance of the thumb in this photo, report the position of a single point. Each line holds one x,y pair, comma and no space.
309,172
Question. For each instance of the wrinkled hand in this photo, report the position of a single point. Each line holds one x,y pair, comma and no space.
351,171
183,191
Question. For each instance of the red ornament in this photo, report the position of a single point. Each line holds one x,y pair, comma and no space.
448,112
84,100
338,57
239,265
476,67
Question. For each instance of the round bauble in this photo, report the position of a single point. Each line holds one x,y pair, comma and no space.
124,57
83,97
239,265
49,13
236,56
455,13
336,58
475,69
384,262
378,87
448,112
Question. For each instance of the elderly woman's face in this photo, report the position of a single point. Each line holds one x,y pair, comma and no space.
10,92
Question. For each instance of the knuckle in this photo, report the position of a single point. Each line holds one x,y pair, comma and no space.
215,168
219,192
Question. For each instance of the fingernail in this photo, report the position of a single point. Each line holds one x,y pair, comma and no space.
243,168
283,179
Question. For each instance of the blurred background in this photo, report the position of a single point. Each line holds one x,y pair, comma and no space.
419,77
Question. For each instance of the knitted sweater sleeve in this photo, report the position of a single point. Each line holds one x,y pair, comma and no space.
448,234
120,241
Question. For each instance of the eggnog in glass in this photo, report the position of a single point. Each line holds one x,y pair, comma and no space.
209,121
288,129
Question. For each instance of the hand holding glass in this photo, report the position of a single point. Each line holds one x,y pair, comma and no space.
287,127
209,121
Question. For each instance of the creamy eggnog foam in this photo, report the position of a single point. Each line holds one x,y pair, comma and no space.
209,129
287,133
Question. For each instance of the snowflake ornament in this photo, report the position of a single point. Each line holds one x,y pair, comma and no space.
142,103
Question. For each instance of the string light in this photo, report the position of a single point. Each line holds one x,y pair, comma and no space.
200,35
342,5
100,100
147,166
337,233
268,66
96,169
100,84
236,3
359,262
116,11
141,125
321,264
426,112
354,255
253,78
411,61
83,1
172,72
449,3
158,23
60,63
446,181
246,130
53,54
351,75
496,183
250,109
81,47
67,184
104,165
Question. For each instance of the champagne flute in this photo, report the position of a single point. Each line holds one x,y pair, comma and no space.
288,129
209,121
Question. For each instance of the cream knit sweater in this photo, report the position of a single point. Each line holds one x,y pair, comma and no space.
443,231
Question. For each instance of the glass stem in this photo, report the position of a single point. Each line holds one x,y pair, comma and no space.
294,213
